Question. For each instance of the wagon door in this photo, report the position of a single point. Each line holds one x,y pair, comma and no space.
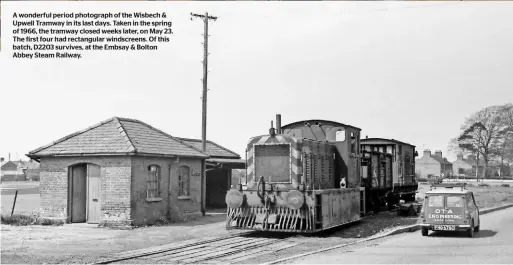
434,209
455,208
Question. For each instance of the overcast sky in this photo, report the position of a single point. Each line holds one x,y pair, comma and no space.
411,71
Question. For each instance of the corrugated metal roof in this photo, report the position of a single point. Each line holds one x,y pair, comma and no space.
226,161
118,136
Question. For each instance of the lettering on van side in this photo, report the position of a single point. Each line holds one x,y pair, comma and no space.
443,213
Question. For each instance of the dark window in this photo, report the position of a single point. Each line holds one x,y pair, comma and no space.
184,181
153,182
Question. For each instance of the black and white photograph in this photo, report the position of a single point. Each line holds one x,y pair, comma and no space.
240,132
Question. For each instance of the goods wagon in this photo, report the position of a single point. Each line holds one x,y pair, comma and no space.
394,162
303,177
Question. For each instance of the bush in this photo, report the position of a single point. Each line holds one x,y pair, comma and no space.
505,185
483,185
28,219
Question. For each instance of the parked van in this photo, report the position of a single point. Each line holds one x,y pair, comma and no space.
449,207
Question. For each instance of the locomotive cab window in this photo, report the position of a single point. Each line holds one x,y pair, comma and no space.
340,135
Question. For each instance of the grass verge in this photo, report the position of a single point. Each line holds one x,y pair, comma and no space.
28,219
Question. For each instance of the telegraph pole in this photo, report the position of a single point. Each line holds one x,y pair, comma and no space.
205,19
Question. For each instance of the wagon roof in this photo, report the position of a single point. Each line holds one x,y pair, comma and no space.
369,140
118,136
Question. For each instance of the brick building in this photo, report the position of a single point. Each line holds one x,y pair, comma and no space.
120,172
220,165
432,164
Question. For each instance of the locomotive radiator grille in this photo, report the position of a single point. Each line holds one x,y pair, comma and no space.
330,170
273,160
277,219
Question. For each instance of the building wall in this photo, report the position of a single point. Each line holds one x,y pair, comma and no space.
427,165
460,164
169,204
425,169
114,190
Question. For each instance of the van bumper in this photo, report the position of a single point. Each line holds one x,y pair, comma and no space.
457,227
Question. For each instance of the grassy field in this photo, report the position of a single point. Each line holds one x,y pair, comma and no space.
27,200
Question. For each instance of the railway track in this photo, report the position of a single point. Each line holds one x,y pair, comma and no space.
226,250
232,249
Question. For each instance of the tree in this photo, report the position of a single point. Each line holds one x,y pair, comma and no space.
482,134
454,147
506,119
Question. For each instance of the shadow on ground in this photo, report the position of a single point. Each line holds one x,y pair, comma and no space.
480,234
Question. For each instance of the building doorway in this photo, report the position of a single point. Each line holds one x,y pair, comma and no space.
218,183
84,203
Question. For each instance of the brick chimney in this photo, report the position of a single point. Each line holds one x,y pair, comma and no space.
459,157
438,153
427,152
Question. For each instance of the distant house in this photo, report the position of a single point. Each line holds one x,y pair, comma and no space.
18,170
462,166
125,172
467,166
433,165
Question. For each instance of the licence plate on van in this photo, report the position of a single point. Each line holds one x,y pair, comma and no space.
445,227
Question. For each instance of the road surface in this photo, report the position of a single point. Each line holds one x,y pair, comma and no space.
493,244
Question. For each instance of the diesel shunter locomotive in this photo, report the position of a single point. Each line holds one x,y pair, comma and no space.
302,177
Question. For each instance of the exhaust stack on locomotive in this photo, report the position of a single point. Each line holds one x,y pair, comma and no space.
293,179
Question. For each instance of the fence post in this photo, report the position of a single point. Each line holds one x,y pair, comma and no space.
14,203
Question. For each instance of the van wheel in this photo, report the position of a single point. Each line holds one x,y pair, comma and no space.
425,232
470,231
